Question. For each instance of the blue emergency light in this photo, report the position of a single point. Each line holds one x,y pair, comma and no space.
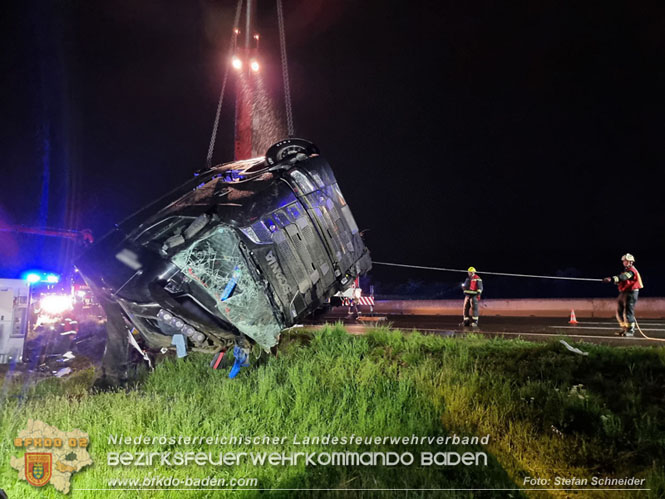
33,277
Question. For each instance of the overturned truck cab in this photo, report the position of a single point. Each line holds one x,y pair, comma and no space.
229,259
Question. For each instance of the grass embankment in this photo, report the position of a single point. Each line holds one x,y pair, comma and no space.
549,413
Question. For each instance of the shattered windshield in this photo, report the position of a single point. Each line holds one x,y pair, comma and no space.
217,264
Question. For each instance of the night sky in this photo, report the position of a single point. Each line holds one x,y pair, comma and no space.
515,137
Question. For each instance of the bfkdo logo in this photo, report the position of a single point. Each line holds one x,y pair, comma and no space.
38,468
51,456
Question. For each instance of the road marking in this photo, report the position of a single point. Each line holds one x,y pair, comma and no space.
529,334
603,328
360,329
614,323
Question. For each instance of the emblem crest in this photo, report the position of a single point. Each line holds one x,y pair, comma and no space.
38,468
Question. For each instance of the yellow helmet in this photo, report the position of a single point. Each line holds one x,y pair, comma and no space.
471,269
628,257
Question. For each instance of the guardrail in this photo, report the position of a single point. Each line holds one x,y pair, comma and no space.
651,308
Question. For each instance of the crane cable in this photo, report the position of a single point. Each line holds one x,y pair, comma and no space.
486,272
213,138
285,69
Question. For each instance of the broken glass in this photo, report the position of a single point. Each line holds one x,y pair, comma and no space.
217,264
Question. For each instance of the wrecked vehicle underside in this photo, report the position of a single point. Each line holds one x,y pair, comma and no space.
231,258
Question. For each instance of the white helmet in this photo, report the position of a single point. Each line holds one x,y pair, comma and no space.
628,257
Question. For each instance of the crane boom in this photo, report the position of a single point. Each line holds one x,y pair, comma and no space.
83,236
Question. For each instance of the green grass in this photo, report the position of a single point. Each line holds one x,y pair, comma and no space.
549,412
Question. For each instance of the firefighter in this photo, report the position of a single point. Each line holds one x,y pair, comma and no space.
629,283
473,288
354,299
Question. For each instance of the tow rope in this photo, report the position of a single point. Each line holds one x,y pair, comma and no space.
487,272
645,336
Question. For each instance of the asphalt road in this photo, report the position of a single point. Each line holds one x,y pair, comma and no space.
52,351
596,330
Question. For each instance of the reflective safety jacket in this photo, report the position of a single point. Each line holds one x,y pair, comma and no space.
628,280
473,285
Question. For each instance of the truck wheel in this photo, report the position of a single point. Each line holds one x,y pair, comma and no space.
289,148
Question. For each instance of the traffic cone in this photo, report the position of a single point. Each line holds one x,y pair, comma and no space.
572,320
